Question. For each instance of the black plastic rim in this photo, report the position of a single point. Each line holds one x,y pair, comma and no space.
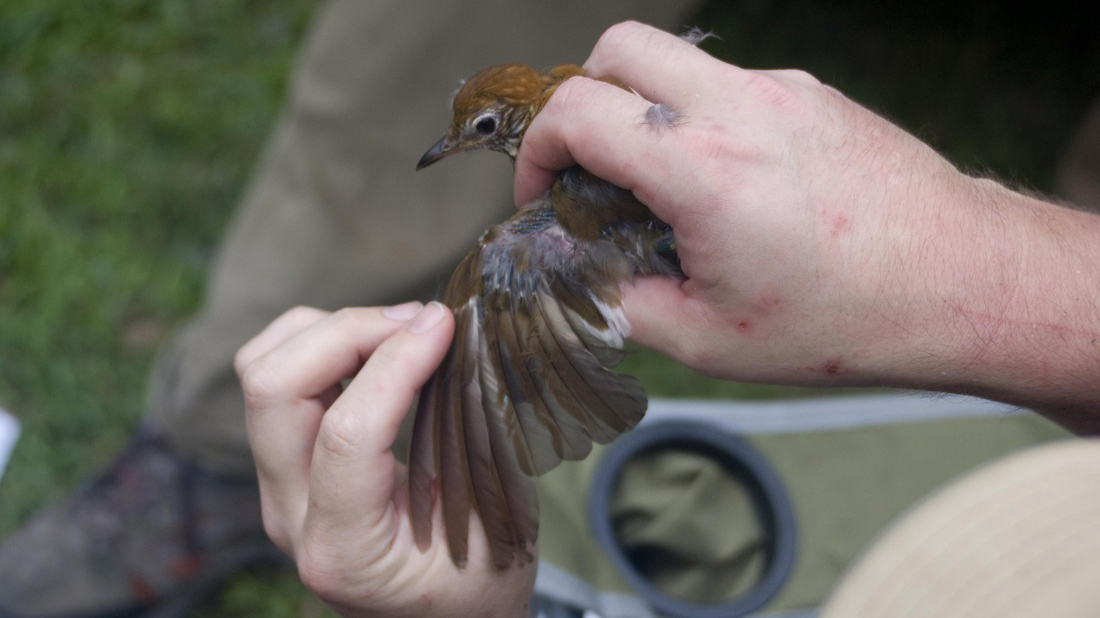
772,504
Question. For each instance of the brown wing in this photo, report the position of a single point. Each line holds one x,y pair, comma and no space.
525,385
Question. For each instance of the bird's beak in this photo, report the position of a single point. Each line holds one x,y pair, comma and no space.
443,148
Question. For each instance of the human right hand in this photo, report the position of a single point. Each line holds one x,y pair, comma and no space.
821,243
793,206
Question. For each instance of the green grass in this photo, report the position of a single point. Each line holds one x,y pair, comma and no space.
128,129
126,132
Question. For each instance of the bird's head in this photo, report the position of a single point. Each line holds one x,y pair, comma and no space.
492,111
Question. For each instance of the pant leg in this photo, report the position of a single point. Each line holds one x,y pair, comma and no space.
335,215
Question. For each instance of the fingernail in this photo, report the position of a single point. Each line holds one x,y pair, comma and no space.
428,317
403,312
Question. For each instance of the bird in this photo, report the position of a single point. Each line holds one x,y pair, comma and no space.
539,323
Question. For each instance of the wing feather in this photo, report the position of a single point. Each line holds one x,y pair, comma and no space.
519,488
617,401
424,461
527,383
488,491
573,439
456,482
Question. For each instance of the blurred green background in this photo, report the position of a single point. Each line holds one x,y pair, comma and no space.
128,129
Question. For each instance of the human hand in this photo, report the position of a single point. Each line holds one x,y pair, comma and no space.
784,196
821,243
333,496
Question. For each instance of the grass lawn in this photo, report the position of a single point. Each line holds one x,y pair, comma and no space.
128,129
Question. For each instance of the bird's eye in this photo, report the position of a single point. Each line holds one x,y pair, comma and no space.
486,125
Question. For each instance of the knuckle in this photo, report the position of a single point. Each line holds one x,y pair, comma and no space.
800,76
301,312
390,360
621,35
241,360
715,148
566,96
340,435
772,89
259,384
274,525
348,317
317,574
278,536
324,568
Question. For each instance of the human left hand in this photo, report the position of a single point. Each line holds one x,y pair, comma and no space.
334,498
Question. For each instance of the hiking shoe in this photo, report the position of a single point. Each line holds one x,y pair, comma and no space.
152,536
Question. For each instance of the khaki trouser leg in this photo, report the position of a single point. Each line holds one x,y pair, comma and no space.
335,215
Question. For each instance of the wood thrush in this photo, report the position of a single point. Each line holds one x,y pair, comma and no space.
538,323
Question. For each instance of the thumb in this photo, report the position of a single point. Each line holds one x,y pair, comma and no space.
656,308
668,316
359,430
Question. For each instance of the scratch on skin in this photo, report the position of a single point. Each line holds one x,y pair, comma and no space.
992,327
840,225
992,330
831,367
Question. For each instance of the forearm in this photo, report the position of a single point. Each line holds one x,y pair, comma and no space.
1007,306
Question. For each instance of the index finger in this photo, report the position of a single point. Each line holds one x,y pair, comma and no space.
585,122
286,390
661,67
614,133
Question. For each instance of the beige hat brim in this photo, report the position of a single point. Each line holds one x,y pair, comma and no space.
1020,537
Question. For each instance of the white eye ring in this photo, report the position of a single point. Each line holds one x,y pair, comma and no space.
485,124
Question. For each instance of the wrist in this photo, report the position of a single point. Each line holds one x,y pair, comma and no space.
997,308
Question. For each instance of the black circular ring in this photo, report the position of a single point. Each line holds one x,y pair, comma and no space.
772,504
